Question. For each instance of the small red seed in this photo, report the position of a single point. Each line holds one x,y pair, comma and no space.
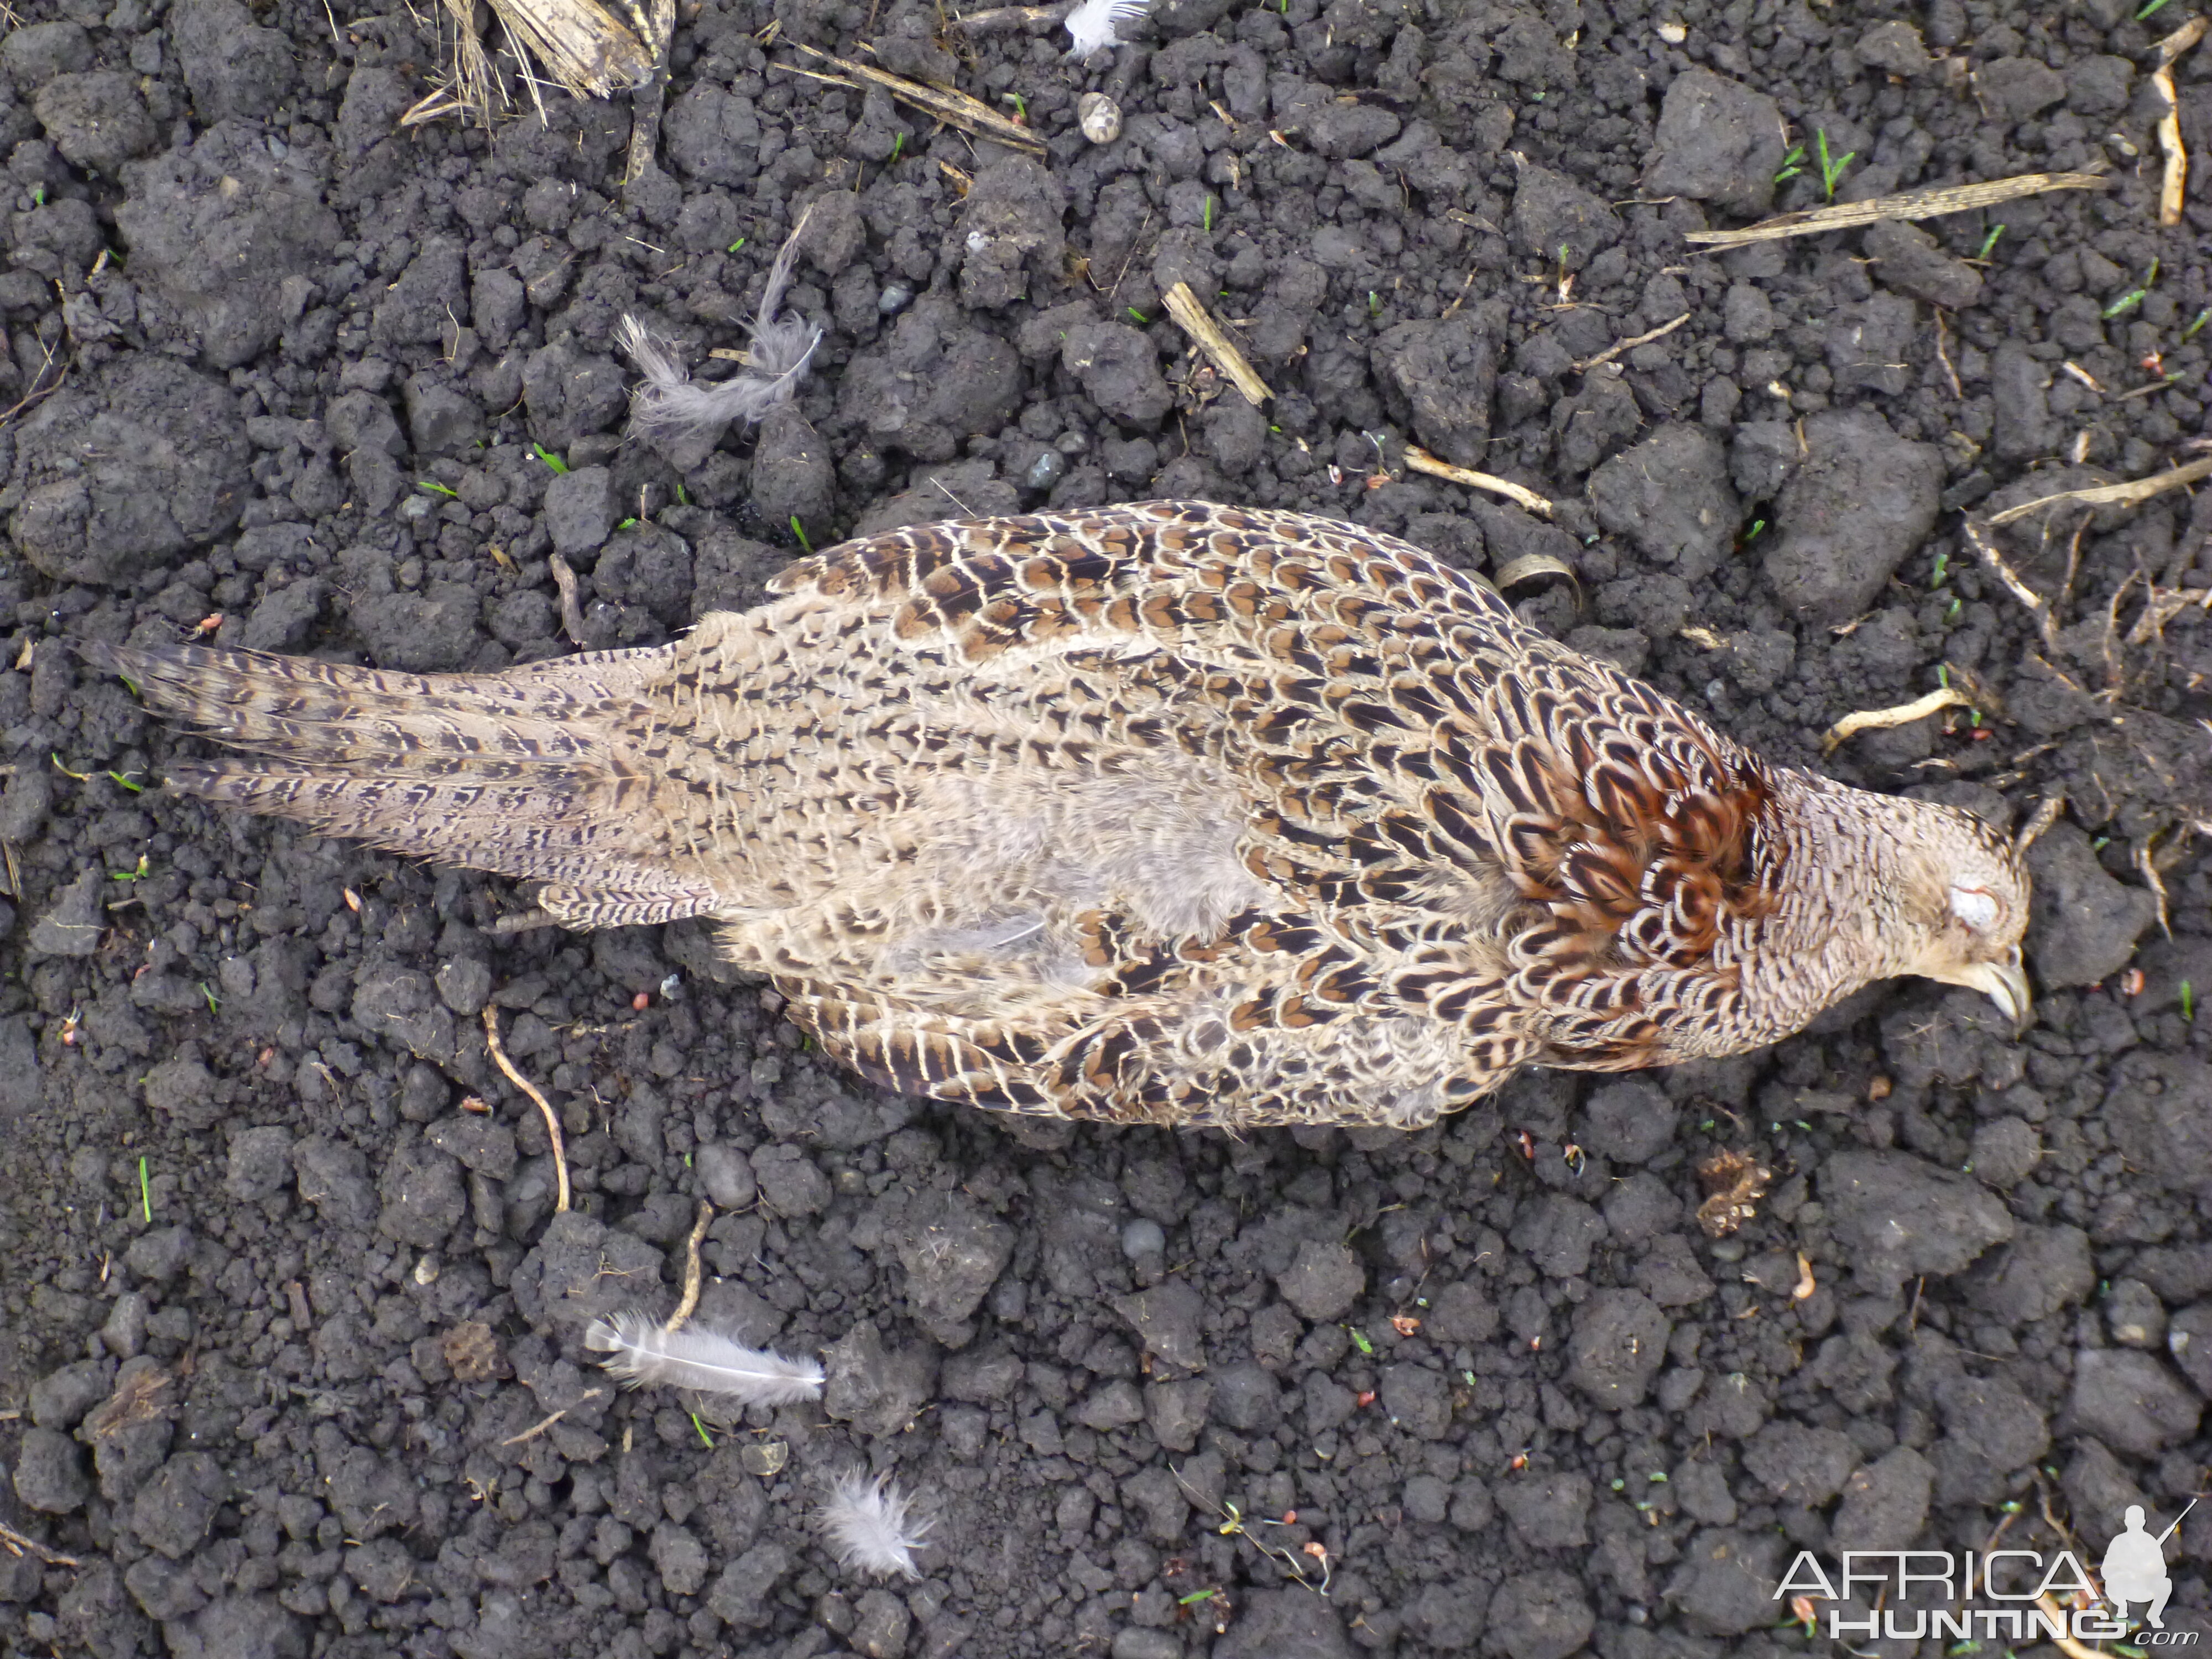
642,1001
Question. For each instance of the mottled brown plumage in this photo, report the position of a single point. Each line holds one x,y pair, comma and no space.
1170,813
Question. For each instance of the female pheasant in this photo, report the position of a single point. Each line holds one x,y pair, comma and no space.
1169,813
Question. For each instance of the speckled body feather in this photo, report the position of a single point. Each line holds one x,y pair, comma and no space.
1167,813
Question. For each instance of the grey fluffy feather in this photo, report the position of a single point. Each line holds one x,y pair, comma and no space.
670,401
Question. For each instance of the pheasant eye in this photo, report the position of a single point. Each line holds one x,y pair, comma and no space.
1975,906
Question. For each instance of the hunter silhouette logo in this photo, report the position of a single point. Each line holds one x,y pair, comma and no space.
2011,1595
2135,1567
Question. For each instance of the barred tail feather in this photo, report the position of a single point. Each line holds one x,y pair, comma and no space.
521,773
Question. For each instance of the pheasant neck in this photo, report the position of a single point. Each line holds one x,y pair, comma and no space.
1843,917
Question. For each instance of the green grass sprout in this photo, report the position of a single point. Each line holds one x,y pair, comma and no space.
550,458
436,489
145,1189
124,778
1831,168
2188,1002
1792,165
2149,10
800,530
1360,1339
705,1438
1990,241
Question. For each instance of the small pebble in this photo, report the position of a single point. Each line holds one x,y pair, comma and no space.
1100,117
1141,1238
1048,470
894,299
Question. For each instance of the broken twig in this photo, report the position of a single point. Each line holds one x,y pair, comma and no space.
1192,318
1419,460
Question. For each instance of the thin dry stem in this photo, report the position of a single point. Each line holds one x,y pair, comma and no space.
1985,549
572,612
1881,719
1419,460
545,1422
16,1544
688,1304
2175,178
2119,495
2046,814
544,1106
955,109
1913,205
1620,346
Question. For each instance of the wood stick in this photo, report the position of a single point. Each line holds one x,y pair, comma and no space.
1191,317
1913,205
1419,460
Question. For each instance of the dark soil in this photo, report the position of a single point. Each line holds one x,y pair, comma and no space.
290,1354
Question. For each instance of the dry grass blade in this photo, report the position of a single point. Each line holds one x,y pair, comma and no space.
537,1095
1419,460
1192,318
645,113
2175,178
688,1304
468,89
1913,205
954,108
1985,549
1881,719
16,1544
586,49
2118,494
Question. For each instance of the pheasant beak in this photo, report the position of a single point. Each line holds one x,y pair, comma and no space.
2004,983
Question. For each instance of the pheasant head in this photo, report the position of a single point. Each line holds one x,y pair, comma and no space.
1965,903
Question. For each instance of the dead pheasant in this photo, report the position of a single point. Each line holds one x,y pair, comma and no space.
1168,813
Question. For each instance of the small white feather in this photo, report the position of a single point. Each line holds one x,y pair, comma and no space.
868,1525
1096,25
642,1354
670,400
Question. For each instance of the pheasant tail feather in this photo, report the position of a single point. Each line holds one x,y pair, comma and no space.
521,773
